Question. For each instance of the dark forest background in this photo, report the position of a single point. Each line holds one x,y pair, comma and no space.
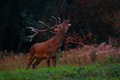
100,17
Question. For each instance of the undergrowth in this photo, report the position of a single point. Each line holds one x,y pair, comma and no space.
91,62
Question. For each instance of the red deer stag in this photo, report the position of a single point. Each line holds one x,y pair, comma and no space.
47,50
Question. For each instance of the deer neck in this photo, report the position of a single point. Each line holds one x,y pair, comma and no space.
58,38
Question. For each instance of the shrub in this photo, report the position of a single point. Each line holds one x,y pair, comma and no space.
103,53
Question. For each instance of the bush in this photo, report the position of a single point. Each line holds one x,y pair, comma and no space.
103,53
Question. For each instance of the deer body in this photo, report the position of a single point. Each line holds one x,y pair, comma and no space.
47,50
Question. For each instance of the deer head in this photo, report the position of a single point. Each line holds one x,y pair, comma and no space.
63,27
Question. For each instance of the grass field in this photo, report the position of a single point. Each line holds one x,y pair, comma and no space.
65,72
91,62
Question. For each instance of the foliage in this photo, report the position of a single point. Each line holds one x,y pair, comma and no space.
88,72
101,17
103,53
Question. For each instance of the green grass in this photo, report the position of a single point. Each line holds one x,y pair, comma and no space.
65,72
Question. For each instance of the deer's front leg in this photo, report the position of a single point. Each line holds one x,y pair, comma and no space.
54,61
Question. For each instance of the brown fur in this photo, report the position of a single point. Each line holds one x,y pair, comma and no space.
47,50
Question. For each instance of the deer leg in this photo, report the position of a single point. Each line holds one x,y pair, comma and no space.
48,62
36,63
54,61
31,59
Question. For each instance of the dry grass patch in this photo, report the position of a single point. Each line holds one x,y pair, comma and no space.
103,53
91,53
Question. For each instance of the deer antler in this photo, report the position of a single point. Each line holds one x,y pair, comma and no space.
44,24
59,20
36,32
32,29
55,19
31,36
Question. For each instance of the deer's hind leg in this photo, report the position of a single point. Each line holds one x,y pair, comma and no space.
54,61
38,60
48,62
